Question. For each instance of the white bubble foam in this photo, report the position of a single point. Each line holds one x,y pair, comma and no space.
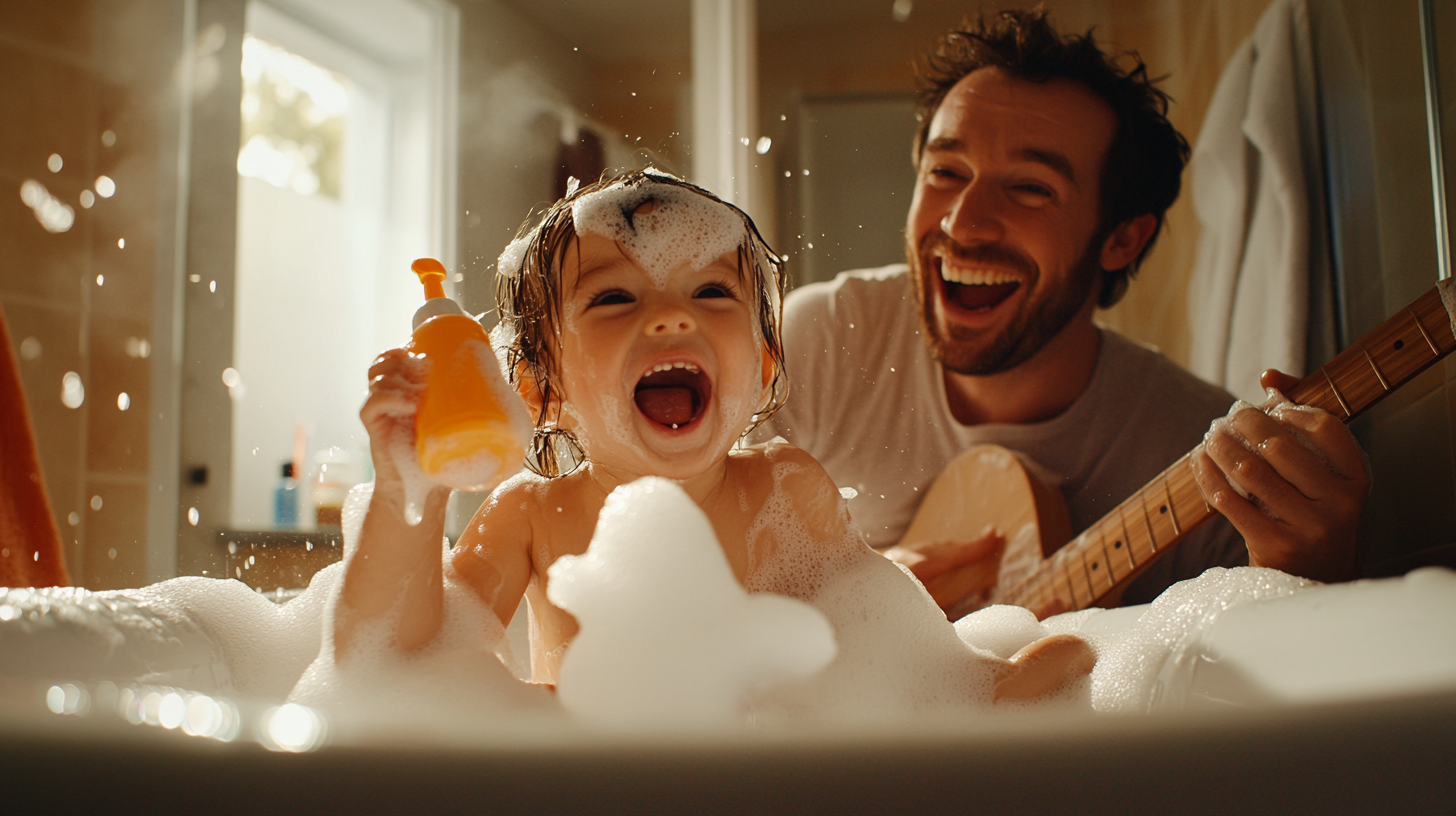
684,228
511,258
667,634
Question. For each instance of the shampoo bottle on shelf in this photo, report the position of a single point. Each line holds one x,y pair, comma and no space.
285,500
470,428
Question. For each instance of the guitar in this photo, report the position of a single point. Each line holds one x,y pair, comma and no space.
989,484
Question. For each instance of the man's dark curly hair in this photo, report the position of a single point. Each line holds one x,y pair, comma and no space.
1142,172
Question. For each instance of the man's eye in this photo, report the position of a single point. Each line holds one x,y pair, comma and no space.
944,175
612,297
714,290
1031,194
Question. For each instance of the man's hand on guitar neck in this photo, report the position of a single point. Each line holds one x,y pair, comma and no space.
1315,502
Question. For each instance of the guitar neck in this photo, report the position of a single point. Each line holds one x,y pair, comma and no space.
1106,556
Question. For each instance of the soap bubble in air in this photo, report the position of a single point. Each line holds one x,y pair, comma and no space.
51,212
73,393
234,382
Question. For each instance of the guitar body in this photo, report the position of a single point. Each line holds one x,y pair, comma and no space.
989,485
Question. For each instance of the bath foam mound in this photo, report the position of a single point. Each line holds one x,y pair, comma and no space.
898,655
668,636
685,227
203,634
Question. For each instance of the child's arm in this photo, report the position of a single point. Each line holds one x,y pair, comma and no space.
396,564
394,561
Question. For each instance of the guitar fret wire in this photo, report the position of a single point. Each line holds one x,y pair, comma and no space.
1422,330
1373,367
1343,405
1127,539
1147,522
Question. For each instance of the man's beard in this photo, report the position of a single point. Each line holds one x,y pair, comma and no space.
1030,329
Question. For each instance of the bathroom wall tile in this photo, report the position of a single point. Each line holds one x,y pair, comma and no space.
116,439
60,27
53,102
115,552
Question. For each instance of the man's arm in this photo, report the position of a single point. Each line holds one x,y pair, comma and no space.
1313,498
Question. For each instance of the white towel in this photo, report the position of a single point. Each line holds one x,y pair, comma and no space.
1253,168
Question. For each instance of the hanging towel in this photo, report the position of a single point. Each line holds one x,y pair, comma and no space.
30,544
1257,194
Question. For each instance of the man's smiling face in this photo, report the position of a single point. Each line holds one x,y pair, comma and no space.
1002,232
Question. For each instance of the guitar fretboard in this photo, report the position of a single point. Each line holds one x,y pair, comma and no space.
1107,555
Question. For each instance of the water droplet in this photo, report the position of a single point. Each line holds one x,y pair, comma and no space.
901,10
73,393
212,286
111,553
788,174
193,516
108,138
231,377
74,518
55,162
88,199
121,243
30,348
100,280
806,171
764,143
105,187
96,502
123,401
743,141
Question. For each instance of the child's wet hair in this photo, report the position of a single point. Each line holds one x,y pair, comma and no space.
530,299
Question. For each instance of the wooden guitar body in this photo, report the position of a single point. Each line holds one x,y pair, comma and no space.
989,485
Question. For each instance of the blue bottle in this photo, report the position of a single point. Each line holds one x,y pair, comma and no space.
285,500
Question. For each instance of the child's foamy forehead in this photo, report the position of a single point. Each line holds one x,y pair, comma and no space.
683,228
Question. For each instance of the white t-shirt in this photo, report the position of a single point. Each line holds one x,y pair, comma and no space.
867,399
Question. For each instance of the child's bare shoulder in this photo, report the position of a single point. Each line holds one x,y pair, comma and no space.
778,465
780,456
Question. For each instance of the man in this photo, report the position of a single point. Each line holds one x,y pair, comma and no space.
1043,173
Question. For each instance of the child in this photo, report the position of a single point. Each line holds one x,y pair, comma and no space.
639,322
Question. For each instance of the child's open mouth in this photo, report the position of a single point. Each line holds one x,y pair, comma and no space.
673,394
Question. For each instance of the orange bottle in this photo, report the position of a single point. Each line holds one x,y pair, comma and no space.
464,433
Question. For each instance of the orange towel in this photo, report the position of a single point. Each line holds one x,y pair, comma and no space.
29,541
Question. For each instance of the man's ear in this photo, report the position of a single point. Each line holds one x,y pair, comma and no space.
1127,240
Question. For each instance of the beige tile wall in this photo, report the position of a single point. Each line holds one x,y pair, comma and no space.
77,79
